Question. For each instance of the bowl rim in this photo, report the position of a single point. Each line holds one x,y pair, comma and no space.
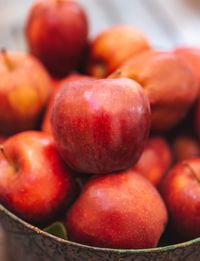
99,249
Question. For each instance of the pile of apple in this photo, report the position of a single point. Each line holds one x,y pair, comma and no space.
113,152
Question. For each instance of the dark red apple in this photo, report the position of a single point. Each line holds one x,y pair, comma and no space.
155,160
181,193
56,33
120,210
168,82
35,183
24,92
101,126
112,47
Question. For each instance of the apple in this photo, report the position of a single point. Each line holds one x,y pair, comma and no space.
112,47
185,146
101,126
191,56
46,125
35,183
56,33
155,160
120,210
181,192
24,92
167,81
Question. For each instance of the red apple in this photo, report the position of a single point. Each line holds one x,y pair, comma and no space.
101,126
112,47
24,91
185,146
56,32
181,192
155,160
168,82
35,183
46,125
120,210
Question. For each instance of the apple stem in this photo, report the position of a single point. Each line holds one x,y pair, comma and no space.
115,74
6,59
187,165
6,157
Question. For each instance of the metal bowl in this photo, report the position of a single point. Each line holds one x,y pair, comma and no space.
28,243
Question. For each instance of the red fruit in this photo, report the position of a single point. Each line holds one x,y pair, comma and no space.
112,47
168,82
101,126
155,160
185,146
121,210
56,32
24,91
191,56
181,193
46,125
35,183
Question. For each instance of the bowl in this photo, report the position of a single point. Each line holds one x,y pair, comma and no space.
29,243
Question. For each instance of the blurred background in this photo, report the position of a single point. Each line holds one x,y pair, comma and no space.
167,23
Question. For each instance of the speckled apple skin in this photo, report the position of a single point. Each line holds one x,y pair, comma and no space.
112,212
35,183
101,126
181,192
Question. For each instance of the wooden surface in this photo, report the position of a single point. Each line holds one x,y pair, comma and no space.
167,24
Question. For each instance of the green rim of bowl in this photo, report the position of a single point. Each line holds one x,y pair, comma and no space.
117,251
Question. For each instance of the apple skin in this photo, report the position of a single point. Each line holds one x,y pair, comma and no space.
191,56
101,126
25,88
185,146
46,124
112,47
56,33
181,192
155,160
168,82
35,183
120,210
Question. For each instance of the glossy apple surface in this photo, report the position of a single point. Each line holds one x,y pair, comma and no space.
35,183
181,193
167,81
24,92
112,47
155,160
120,210
101,126
46,124
56,33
